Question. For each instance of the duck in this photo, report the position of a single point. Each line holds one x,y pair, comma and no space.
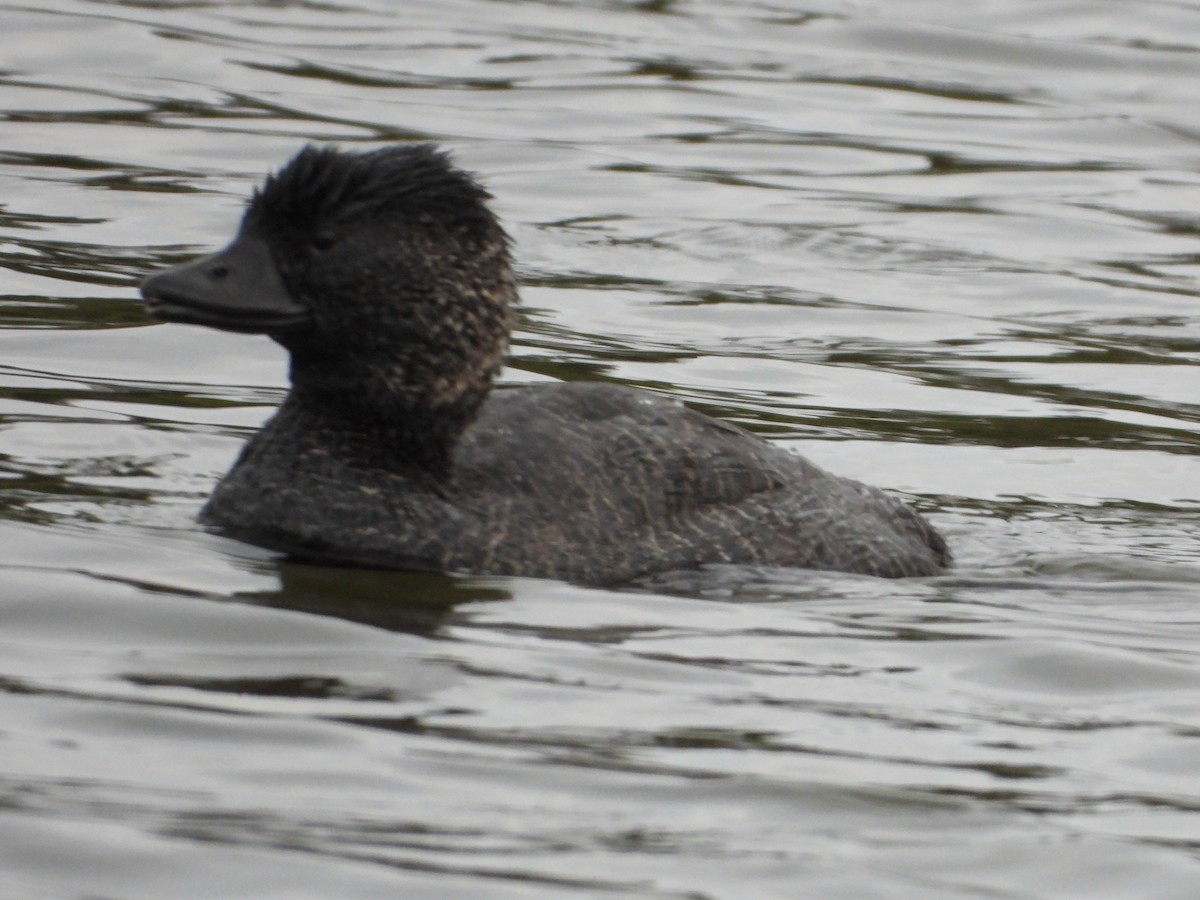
389,281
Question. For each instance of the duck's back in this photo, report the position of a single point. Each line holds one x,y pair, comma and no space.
600,483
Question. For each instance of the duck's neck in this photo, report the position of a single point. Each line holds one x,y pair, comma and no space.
375,417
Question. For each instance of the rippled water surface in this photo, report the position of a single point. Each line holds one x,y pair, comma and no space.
952,249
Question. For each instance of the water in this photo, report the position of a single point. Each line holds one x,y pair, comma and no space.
951,249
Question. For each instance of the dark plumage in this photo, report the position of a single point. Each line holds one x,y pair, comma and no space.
388,280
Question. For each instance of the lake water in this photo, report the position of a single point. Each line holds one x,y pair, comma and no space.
951,249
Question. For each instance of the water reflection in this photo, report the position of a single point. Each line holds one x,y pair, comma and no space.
410,602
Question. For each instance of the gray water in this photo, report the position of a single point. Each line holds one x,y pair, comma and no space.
949,248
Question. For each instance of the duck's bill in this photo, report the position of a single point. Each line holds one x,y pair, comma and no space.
237,289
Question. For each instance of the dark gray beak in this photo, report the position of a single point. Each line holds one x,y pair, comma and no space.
237,289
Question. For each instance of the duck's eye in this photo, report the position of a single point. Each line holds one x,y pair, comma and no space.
323,240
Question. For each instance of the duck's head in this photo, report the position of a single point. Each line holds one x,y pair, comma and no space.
384,274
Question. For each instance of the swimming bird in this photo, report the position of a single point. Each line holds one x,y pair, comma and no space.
388,280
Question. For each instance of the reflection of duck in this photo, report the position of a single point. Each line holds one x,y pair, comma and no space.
387,278
406,602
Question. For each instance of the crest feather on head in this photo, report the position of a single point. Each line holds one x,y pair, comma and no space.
322,184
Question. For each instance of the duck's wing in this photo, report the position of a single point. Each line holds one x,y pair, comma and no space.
606,483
